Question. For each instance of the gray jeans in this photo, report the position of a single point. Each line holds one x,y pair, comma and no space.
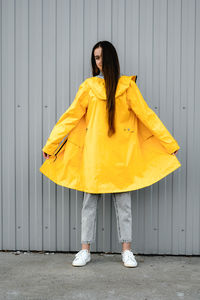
122,203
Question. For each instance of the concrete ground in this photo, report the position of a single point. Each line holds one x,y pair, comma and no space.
51,276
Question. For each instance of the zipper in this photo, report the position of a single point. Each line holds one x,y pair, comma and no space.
60,148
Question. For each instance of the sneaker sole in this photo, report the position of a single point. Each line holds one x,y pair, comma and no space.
128,266
81,265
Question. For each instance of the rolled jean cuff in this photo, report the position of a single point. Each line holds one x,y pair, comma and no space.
87,242
125,241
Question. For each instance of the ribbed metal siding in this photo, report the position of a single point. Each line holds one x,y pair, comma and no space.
45,55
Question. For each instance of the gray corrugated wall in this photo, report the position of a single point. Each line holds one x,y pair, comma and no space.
45,55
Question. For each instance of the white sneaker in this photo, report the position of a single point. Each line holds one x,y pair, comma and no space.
81,258
128,259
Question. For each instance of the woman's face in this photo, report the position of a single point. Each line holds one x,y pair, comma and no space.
98,57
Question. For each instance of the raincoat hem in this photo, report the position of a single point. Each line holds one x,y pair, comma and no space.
131,187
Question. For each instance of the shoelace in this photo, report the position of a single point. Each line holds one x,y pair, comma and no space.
80,253
129,254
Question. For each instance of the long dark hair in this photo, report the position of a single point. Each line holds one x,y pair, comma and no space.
111,72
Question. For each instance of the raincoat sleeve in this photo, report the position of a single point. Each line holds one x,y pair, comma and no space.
68,120
150,119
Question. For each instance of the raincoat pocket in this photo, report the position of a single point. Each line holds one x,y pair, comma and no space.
73,154
77,135
146,139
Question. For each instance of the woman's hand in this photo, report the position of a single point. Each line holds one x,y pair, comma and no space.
45,155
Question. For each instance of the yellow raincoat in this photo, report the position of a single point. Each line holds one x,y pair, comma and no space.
84,158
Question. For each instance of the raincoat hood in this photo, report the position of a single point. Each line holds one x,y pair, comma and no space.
97,85
82,155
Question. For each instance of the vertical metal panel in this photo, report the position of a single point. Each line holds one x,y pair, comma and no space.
8,115
1,106
45,54
172,119
194,198
188,68
36,123
21,108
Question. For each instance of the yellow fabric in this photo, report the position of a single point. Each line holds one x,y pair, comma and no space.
84,158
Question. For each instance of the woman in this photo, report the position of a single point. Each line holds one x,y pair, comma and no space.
115,144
